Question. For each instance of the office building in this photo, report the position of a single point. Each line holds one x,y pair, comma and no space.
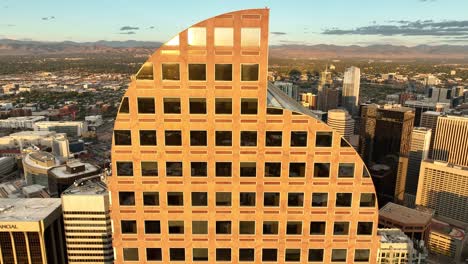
36,166
309,100
288,88
342,122
71,128
210,163
25,139
420,107
324,84
451,140
351,84
396,247
31,231
87,222
20,122
63,176
429,120
448,240
452,96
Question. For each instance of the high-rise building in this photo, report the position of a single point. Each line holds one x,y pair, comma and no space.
324,84
342,122
429,120
423,106
351,83
31,231
87,222
396,247
420,141
448,240
211,164
288,88
451,140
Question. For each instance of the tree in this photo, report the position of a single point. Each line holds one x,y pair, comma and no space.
295,75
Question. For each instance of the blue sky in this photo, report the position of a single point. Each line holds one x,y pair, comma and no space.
341,22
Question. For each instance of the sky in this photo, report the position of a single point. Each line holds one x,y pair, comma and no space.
339,22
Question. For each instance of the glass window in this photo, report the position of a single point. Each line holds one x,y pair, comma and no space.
298,139
197,36
341,228
145,72
269,254
170,71
176,227
122,137
223,254
249,72
293,255
223,106
198,169
148,137
248,138
272,169
247,199
223,227
344,143
246,254
173,137
367,200
152,227
250,37
223,72
126,198
270,227
338,255
294,228
248,169
177,254
153,254
173,169
365,172
319,199
361,255
274,139
344,199
223,138
223,169
346,170
224,36
128,226
247,227
150,198
315,254
297,169
197,105
364,228
200,254
149,168
199,227
321,170
199,199
146,105
295,199
171,105
175,198
271,199
173,42
197,72
323,139
130,254
249,106
124,168
223,199
317,228
274,111
124,107
198,138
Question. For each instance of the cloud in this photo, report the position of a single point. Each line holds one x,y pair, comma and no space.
151,27
124,28
8,25
277,33
48,18
128,33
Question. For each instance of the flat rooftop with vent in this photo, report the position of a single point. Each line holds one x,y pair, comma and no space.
27,209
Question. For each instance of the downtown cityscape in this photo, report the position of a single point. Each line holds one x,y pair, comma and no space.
235,140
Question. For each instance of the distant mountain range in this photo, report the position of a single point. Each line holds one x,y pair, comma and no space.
322,51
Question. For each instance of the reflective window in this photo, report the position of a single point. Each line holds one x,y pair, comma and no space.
148,137
346,170
198,169
199,227
294,228
126,198
249,72
173,169
365,172
175,198
223,227
250,37
223,106
224,36
295,199
270,227
128,226
122,137
272,169
247,227
223,199
319,199
197,105
177,254
223,72
367,200
149,168
223,169
271,199
246,254
176,227
344,199
171,105
153,254
151,198
297,169
199,199
298,139
274,111
247,199
248,169
197,36
321,170
145,72
361,255
293,255
341,228
124,168
315,254
223,254
269,254
344,143
198,138
152,227
200,254
338,255
197,72
317,228
323,139
124,107
274,138
248,138
249,106
146,105
223,138
170,71
173,137
173,42
364,228
130,254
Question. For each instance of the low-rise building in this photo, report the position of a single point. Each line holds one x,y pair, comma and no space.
397,248
448,240
21,122
71,128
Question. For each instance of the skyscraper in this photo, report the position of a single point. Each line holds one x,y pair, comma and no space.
351,83
342,122
211,164
429,120
451,140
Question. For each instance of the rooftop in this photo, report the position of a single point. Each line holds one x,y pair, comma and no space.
27,209
61,171
392,235
447,229
405,215
42,156
87,186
